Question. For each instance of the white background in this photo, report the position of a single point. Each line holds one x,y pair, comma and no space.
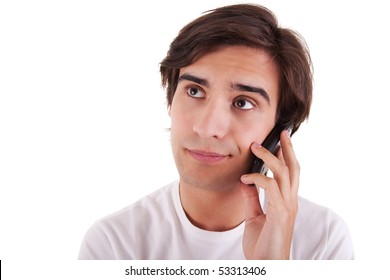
83,116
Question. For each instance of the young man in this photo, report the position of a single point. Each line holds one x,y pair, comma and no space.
231,76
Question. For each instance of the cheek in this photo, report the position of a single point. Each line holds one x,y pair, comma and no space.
180,123
253,133
182,113
173,113
244,136
245,144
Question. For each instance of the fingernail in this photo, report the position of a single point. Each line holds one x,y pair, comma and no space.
244,178
256,145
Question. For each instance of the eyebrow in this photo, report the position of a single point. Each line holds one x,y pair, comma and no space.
237,87
194,79
261,91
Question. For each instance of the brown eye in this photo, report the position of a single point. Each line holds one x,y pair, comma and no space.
243,104
195,92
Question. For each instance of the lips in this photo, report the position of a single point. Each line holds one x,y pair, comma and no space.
206,156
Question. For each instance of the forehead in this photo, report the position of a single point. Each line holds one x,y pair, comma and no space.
237,59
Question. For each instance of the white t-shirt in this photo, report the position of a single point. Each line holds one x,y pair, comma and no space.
156,227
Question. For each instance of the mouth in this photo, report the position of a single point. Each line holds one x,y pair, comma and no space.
207,157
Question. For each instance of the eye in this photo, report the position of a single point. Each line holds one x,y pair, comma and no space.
195,92
243,104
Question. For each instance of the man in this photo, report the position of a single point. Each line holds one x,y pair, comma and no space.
231,76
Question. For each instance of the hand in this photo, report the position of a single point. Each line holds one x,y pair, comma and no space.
269,236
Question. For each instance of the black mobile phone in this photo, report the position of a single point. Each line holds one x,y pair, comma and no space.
271,143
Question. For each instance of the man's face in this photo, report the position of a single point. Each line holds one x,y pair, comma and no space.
224,101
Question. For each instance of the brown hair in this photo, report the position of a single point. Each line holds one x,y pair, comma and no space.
256,27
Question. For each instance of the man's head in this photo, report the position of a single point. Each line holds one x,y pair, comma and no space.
231,76
252,26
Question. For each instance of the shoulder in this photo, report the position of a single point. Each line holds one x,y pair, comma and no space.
320,233
115,236
150,205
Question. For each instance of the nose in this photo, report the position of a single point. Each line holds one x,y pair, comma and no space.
212,120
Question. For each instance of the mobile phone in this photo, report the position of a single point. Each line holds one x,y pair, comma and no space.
271,143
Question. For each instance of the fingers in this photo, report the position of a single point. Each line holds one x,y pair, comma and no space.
275,228
284,167
291,161
279,169
264,182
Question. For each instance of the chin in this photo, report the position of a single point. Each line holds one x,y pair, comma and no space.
212,180
218,177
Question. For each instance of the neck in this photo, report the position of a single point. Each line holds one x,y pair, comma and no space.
212,210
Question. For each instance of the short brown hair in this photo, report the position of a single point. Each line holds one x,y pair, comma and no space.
256,27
